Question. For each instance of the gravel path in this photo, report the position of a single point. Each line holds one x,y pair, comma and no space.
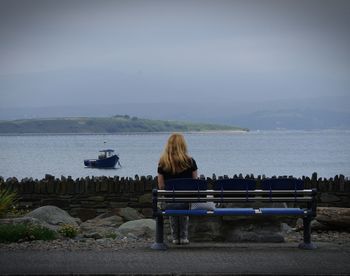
339,238
80,244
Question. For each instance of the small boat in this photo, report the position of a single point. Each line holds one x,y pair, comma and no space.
106,159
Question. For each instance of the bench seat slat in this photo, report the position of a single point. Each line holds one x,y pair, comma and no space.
282,211
234,211
234,192
175,212
237,211
235,199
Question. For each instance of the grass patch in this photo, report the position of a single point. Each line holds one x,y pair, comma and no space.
24,232
69,231
111,236
7,199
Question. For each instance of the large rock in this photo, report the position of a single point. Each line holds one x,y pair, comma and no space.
147,212
233,229
334,217
53,216
24,220
128,213
254,231
141,228
205,229
103,226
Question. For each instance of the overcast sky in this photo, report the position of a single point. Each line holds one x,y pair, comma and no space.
83,52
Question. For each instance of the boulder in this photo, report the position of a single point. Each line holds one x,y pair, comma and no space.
93,235
147,212
315,225
334,217
242,229
141,228
128,213
286,229
52,216
101,226
24,220
254,231
205,229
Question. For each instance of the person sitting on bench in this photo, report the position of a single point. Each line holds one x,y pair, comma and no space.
176,163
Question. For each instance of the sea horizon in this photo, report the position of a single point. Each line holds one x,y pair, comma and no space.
270,153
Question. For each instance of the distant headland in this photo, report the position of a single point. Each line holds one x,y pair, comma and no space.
99,125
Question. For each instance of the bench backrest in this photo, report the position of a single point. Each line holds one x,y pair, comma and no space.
235,190
186,184
282,184
234,184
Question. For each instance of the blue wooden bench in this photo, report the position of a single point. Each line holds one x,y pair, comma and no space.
237,190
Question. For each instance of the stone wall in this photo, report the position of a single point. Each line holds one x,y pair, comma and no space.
84,197
88,197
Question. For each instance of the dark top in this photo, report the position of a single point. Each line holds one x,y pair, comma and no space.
184,174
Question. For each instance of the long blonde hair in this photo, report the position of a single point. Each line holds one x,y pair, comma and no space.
175,158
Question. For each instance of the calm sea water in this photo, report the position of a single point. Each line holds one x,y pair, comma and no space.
271,153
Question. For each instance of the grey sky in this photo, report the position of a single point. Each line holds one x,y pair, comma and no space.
83,52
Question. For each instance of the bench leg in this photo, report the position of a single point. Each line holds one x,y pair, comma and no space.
178,229
159,244
307,244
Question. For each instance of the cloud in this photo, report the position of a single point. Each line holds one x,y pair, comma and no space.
204,50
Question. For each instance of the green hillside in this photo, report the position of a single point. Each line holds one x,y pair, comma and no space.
116,124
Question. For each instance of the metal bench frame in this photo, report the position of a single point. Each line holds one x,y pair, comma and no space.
296,195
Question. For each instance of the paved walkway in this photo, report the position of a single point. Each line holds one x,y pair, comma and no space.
198,259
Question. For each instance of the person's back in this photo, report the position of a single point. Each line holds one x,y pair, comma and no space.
176,163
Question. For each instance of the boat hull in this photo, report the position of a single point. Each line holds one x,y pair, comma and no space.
109,162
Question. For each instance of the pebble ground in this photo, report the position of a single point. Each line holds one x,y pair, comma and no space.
335,237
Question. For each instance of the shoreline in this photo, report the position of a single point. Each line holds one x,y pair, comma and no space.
125,133
238,131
